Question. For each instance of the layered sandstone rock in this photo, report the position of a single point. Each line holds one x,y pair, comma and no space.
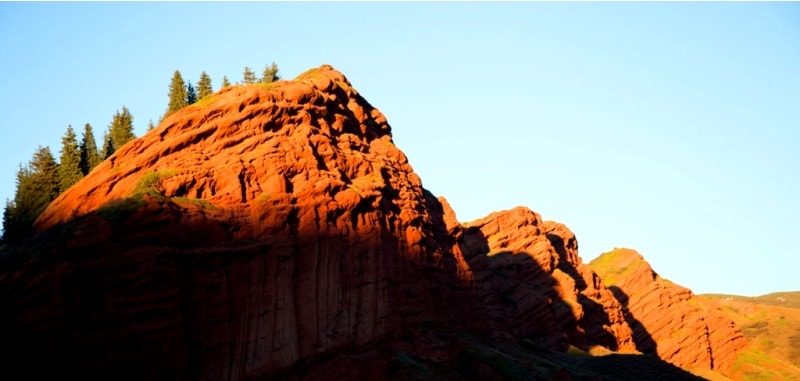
276,232
263,226
666,318
535,285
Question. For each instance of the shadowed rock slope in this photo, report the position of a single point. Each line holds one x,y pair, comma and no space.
276,232
668,319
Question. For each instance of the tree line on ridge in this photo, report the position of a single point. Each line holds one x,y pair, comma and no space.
43,178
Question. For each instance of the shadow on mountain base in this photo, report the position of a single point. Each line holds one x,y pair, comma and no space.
641,336
165,296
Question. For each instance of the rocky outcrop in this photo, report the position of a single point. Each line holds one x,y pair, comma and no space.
535,285
274,231
266,225
666,318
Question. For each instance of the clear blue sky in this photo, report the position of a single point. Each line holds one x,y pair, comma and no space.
670,128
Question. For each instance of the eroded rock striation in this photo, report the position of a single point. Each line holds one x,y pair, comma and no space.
666,318
276,232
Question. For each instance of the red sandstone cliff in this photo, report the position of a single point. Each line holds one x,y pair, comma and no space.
276,232
666,318
266,225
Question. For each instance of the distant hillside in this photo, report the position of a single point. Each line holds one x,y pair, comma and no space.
789,299
771,323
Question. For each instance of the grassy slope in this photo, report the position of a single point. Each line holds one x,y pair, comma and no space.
780,299
772,325
605,266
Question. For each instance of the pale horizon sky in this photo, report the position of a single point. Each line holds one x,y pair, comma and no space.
669,128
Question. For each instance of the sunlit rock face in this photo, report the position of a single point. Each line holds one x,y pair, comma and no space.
265,225
274,231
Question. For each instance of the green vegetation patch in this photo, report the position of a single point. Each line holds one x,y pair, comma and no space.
263,197
269,86
575,351
196,201
752,357
731,309
306,73
205,101
606,265
150,182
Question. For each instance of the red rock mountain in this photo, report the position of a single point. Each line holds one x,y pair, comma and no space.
276,232
666,318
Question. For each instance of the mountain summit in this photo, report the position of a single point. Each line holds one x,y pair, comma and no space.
276,232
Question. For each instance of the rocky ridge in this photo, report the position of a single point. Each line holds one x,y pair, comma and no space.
534,283
666,318
275,231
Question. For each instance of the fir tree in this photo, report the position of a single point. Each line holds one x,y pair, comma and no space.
270,73
204,86
121,128
108,146
248,76
150,125
90,157
44,170
69,167
8,220
17,219
191,94
37,186
225,82
177,94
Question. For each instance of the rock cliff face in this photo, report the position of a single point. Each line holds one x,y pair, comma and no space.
666,318
534,283
276,232
263,226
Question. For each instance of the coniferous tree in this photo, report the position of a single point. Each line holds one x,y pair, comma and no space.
17,213
225,82
204,86
108,146
90,157
121,128
150,125
8,219
69,167
177,94
191,94
248,76
37,186
270,73
44,170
